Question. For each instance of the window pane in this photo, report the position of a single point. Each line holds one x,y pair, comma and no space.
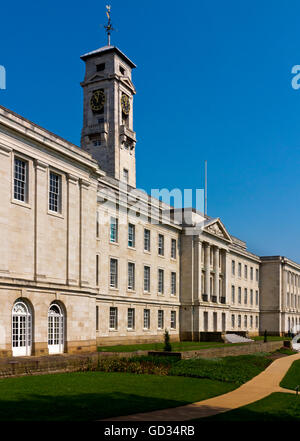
113,229
55,192
20,180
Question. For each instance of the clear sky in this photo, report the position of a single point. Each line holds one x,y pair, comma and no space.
213,82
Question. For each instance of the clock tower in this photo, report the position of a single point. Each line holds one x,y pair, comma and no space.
107,131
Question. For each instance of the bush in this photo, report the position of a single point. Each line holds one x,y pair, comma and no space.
167,345
133,366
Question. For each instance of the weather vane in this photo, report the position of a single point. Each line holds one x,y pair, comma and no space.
108,27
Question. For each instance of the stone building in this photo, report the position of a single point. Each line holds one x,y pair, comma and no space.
87,259
280,295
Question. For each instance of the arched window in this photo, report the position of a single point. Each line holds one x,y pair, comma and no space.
21,329
56,329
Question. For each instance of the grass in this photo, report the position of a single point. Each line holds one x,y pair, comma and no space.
237,370
279,407
271,338
88,396
176,346
179,346
292,377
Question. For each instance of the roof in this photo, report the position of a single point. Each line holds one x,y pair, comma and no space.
108,49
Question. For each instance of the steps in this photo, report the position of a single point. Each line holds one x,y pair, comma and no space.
234,338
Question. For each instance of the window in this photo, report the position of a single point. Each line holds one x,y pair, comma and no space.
113,273
20,180
256,298
113,229
122,70
100,67
113,318
251,296
97,143
232,321
131,236
147,240
98,225
240,295
240,270
256,321
173,284
97,318
160,318
173,248
97,269
161,281
245,321
245,296
239,321
130,318
125,175
161,250
173,319
233,267
256,275
131,275
251,321
232,294
146,318
251,273
55,193
147,278
246,272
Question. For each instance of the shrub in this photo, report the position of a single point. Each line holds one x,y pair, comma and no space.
133,366
167,345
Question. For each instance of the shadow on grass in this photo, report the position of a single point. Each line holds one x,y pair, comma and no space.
82,407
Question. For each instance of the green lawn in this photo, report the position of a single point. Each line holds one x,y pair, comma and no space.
292,377
87,396
238,370
271,338
178,346
279,407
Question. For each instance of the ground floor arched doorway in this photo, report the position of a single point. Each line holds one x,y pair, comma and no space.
56,329
21,329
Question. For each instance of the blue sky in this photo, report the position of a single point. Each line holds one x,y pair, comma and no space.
213,82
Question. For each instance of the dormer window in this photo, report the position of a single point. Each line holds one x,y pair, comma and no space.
100,67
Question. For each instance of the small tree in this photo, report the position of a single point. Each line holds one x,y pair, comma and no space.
265,336
167,346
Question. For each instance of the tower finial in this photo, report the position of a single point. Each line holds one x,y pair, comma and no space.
108,27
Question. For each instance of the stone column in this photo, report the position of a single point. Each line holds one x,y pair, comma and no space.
199,269
207,269
284,288
217,272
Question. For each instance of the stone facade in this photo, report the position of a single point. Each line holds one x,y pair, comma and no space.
86,259
280,295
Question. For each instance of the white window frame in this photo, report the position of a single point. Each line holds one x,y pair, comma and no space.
131,318
160,319
114,229
131,235
173,321
146,319
173,283
113,318
147,278
147,240
161,244
161,282
52,195
131,276
114,274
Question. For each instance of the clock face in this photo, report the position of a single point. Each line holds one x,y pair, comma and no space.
125,104
97,100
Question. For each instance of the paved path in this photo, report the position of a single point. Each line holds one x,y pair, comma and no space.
259,387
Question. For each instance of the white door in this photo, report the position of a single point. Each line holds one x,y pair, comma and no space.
55,330
21,329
